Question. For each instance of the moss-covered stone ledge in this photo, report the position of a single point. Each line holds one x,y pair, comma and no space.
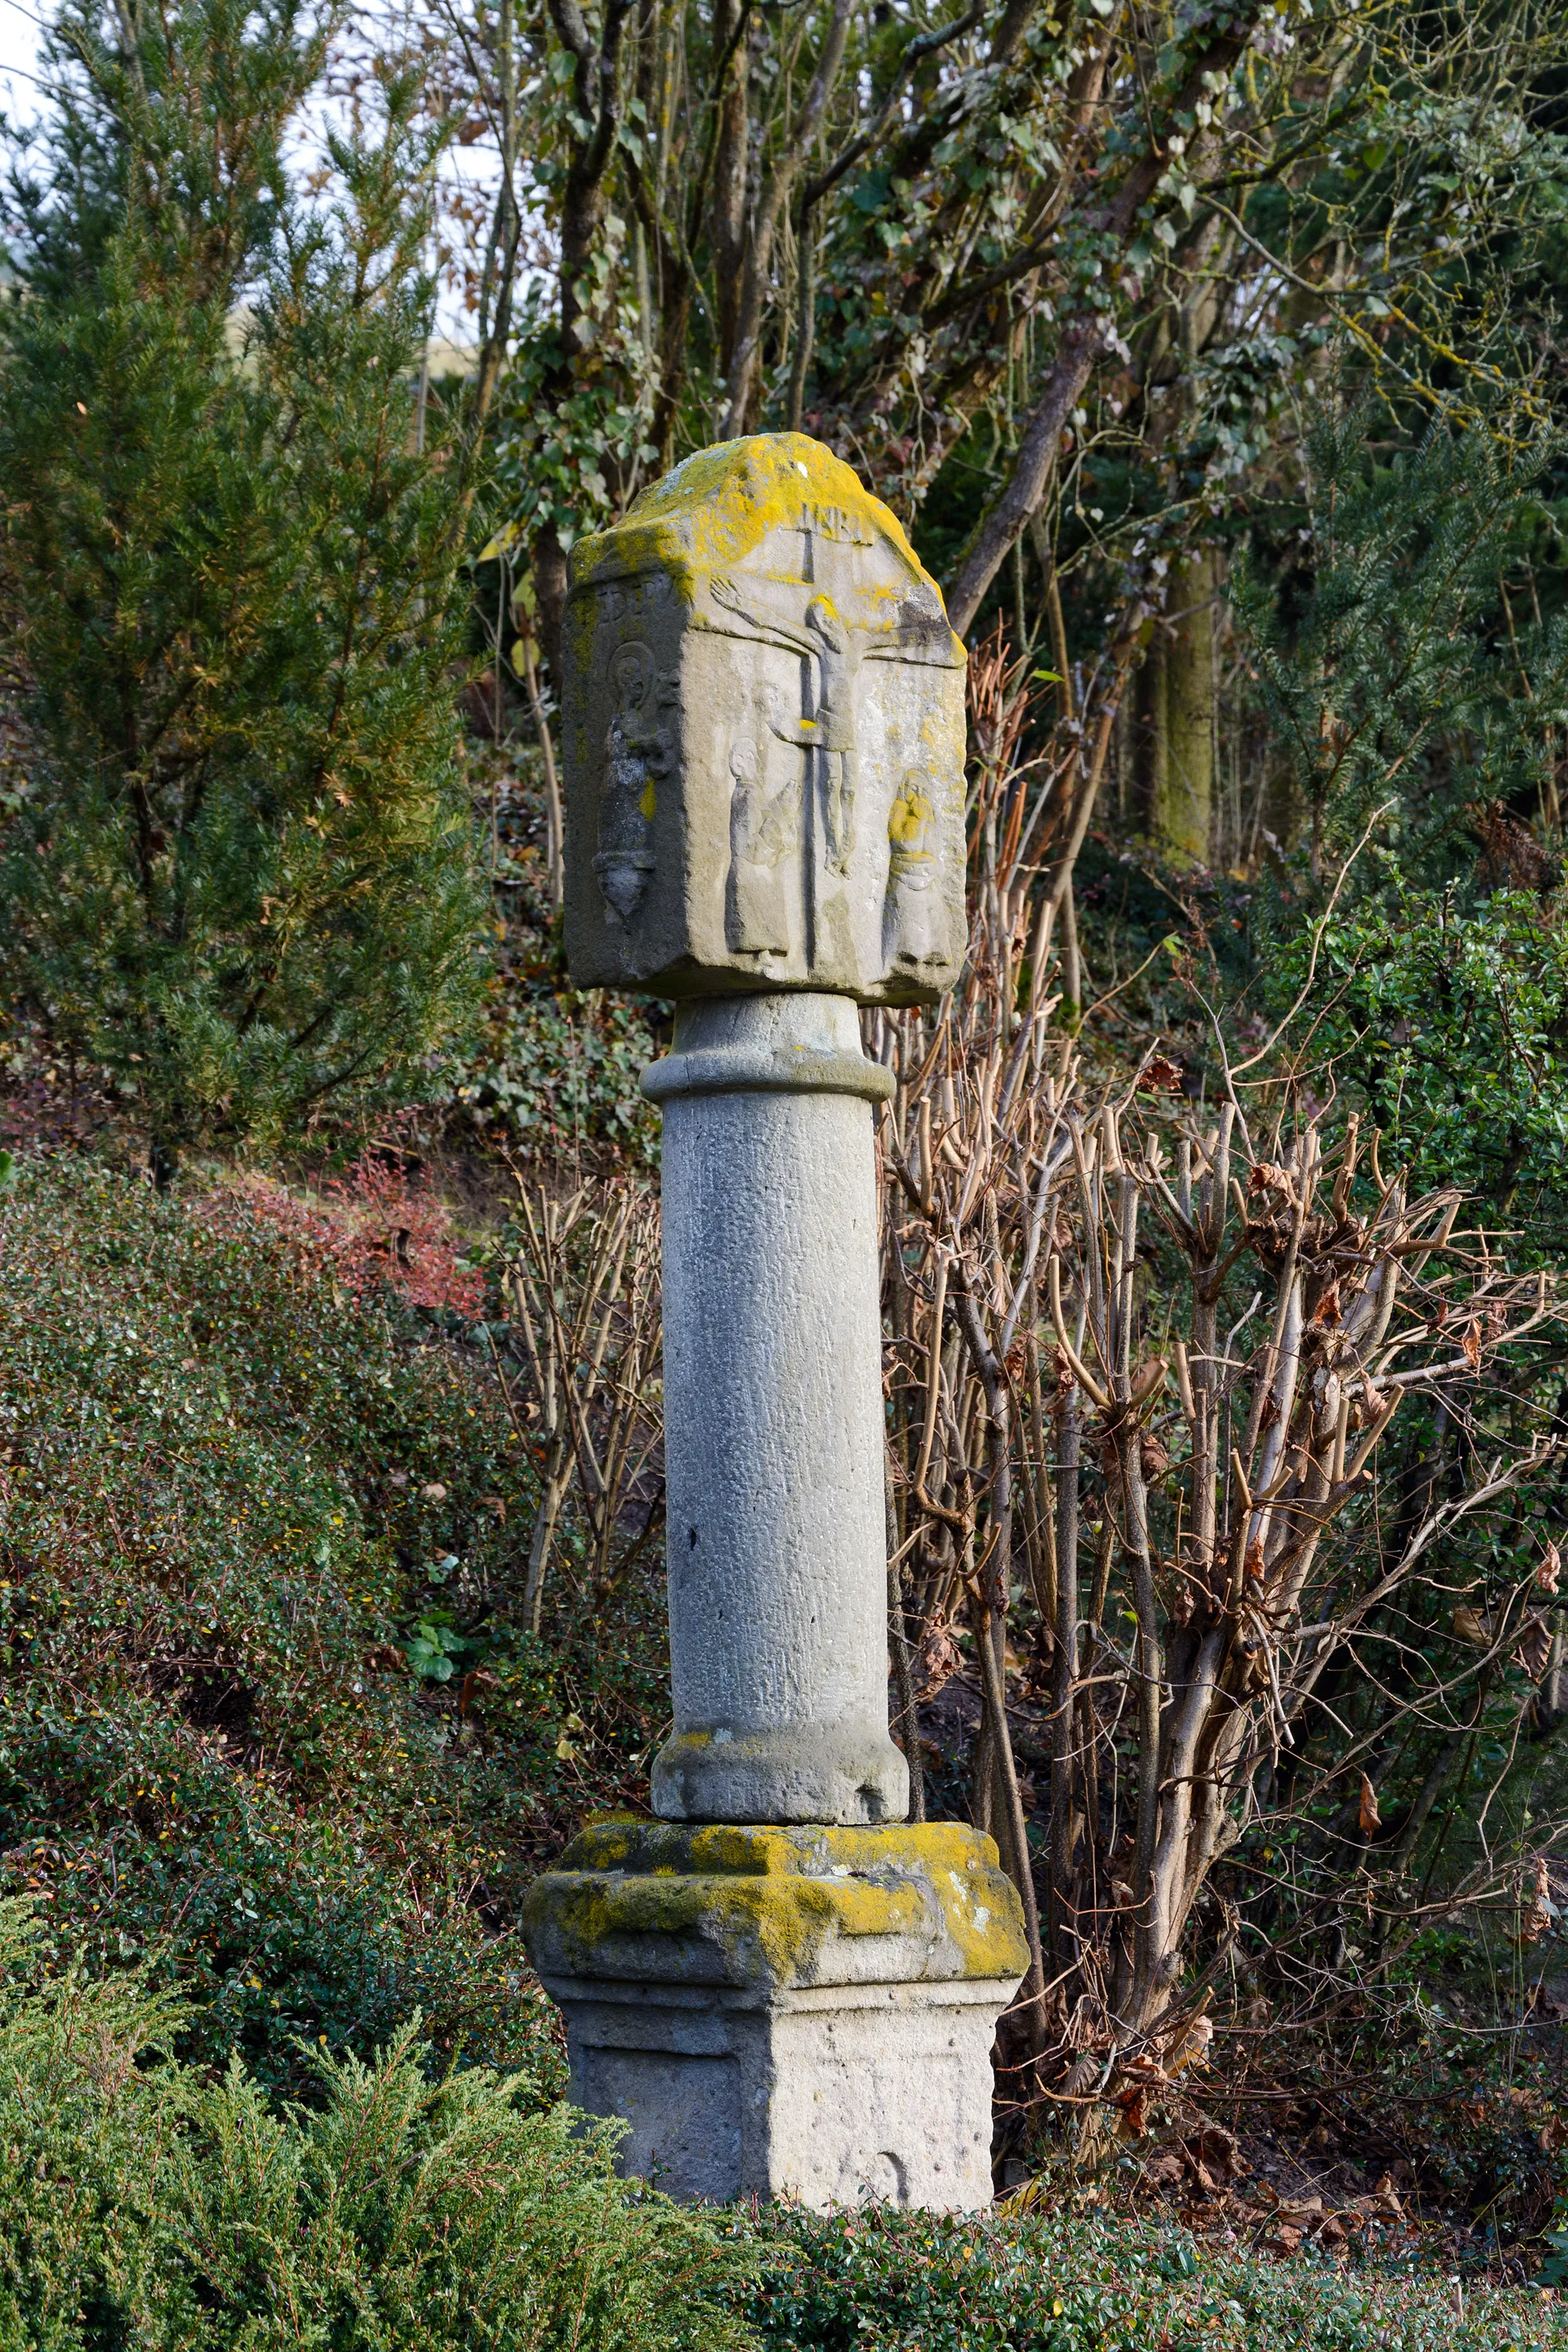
772,1909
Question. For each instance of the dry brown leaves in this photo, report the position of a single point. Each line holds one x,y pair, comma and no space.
1533,1649
1539,1911
1370,1818
1198,2171
937,1660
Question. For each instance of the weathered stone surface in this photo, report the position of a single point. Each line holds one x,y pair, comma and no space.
770,1908
764,739
878,2090
804,2012
776,1533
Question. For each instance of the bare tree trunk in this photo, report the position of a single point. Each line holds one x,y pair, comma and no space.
743,374
727,214
1083,338
554,820
597,95
1181,805
1082,341
1150,735
550,591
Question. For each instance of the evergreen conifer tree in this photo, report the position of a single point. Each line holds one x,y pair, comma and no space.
241,880
1414,676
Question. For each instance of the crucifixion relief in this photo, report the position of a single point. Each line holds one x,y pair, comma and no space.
826,730
822,725
764,739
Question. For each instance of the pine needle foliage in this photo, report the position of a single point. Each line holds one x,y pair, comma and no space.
242,880
145,2207
90,2110
402,2214
1401,683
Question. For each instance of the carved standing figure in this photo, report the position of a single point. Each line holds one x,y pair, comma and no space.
760,831
835,667
913,927
638,753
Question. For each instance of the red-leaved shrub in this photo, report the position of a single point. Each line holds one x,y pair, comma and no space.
379,1225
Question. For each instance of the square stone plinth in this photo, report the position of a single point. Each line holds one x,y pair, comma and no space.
831,2094
801,2011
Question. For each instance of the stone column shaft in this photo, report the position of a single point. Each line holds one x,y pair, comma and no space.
774,1418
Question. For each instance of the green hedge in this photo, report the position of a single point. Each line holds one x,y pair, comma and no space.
148,2206
231,1496
889,2282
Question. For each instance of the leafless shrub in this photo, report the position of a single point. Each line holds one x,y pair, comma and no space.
1146,1370
582,1285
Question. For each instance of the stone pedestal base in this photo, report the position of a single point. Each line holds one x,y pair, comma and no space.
832,2094
805,2011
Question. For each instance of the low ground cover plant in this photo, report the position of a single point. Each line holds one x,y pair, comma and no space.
886,2281
264,1705
151,2206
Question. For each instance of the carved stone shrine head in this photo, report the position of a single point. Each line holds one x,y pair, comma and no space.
764,739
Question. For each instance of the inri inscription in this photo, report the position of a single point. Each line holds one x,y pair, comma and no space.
764,739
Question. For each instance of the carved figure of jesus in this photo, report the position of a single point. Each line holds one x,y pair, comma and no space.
829,729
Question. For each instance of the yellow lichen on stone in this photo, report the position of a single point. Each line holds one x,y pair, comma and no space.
756,661
718,505
910,816
779,1904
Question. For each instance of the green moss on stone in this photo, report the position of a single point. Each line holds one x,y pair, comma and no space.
723,1902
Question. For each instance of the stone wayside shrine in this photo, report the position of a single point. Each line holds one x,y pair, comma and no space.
779,1984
